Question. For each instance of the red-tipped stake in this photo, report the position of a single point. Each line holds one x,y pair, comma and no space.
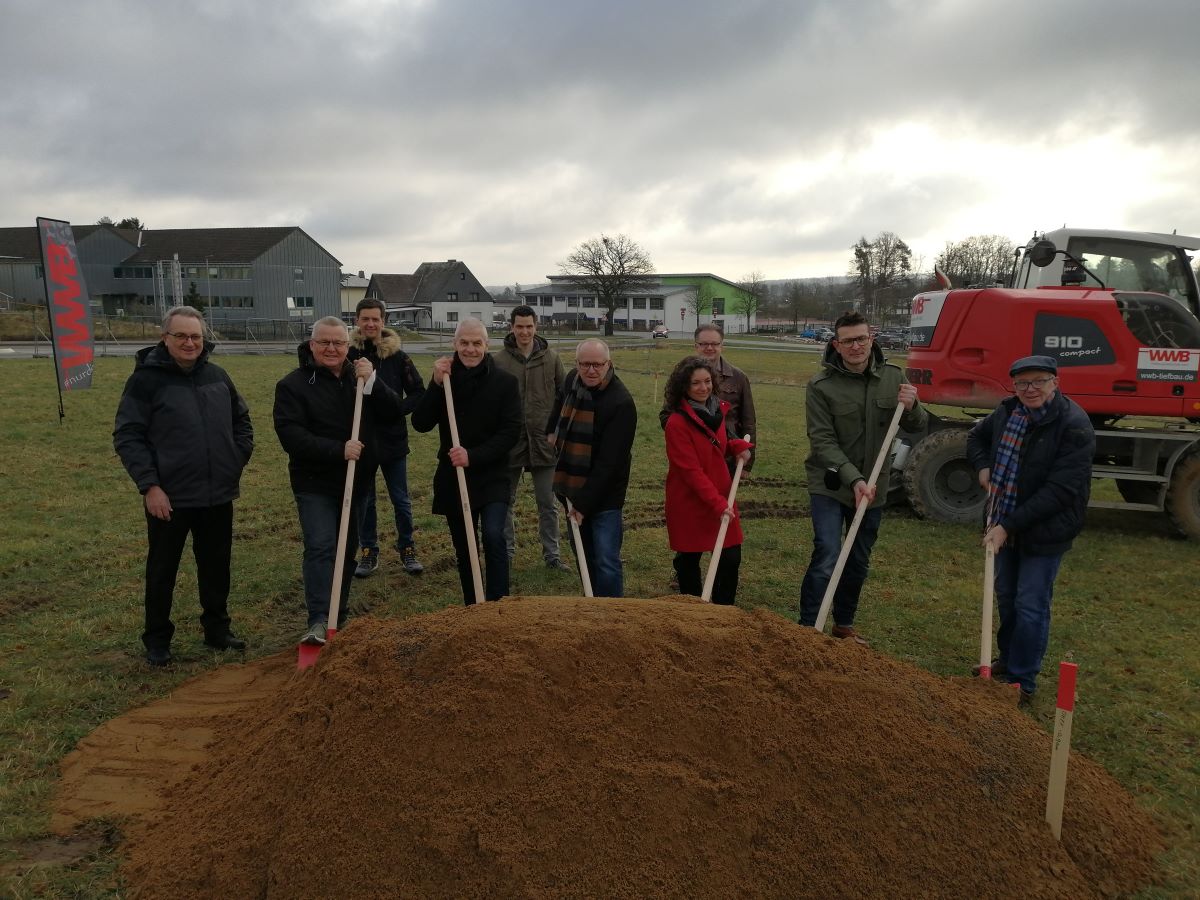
1062,747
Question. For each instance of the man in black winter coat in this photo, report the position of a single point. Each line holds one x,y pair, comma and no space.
1033,454
487,412
314,416
184,435
381,346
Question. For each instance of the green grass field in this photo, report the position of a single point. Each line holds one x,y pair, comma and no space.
72,547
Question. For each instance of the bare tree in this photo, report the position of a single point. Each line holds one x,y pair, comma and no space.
752,290
980,259
612,268
878,267
700,303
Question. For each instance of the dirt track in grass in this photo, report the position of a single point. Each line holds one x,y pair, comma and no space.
559,746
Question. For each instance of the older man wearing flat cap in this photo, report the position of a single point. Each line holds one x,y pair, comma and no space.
1033,454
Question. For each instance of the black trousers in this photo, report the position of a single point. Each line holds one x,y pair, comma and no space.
211,528
691,581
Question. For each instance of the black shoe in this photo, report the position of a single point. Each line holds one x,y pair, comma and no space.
158,656
368,562
557,565
226,641
412,565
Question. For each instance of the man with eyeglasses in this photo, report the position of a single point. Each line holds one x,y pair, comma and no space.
592,427
314,417
850,404
732,386
184,435
1033,454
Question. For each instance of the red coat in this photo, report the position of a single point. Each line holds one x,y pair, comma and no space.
698,481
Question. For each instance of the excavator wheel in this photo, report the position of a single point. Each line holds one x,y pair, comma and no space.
1183,496
941,483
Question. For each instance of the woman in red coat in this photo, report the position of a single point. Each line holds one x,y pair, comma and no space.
698,479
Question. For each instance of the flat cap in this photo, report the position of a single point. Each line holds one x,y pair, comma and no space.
1032,363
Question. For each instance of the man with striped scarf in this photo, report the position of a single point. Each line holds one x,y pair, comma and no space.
1033,454
592,427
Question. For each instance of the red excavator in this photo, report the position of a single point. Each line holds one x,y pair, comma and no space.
1120,312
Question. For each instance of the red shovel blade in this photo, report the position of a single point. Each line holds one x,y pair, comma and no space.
309,652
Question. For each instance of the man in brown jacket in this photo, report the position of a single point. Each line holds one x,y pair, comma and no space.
733,387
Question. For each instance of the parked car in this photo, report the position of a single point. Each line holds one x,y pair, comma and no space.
892,340
660,331
824,334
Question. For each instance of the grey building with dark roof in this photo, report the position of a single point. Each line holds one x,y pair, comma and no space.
437,295
237,273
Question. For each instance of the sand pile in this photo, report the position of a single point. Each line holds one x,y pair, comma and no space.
571,747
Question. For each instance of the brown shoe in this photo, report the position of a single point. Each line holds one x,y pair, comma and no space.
847,631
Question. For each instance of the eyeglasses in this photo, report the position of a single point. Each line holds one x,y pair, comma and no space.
594,366
854,342
1038,383
708,345
185,338
327,344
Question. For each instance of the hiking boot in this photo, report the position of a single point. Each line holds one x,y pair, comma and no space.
557,565
226,641
368,562
841,632
315,636
412,565
158,656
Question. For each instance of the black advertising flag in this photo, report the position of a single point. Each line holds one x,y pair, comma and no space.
69,306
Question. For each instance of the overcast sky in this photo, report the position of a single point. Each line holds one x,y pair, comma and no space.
724,137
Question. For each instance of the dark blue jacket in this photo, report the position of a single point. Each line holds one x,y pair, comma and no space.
399,373
1054,474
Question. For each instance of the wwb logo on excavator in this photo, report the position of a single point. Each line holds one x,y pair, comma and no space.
1167,364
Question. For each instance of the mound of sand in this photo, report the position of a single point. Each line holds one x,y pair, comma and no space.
573,747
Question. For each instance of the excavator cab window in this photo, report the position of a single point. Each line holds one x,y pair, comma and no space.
1156,322
1126,265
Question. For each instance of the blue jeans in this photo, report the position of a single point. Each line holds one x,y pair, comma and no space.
320,516
489,519
602,534
830,521
1024,590
395,476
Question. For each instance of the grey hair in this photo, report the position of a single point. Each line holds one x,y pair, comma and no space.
594,342
469,323
189,312
330,322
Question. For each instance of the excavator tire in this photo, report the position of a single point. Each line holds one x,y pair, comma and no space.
941,483
1183,496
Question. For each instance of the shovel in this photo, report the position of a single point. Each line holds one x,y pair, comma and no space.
711,578
577,539
985,630
468,522
309,652
848,543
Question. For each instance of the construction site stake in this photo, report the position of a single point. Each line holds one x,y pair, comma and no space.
1057,787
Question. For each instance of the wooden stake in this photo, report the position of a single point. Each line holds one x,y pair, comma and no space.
577,538
464,495
715,560
985,626
1057,788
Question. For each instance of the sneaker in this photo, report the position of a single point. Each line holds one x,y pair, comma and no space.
158,656
412,565
557,565
226,641
315,636
368,562
841,632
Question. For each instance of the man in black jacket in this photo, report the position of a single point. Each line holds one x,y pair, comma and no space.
184,435
314,416
487,412
1034,455
382,347
592,426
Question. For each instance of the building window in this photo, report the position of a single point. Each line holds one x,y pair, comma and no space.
304,302
547,301
297,274
572,303
718,306
452,317
589,302
639,302
474,296
656,303
462,276
451,295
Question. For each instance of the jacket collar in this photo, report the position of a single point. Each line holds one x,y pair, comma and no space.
388,344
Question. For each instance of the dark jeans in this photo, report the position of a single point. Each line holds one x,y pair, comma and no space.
691,579
320,517
830,521
395,476
211,528
1024,591
490,520
602,534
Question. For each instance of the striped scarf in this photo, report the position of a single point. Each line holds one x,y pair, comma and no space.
574,436
1002,496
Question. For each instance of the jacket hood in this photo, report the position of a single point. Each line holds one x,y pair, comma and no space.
540,345
159,356
387,345
832,360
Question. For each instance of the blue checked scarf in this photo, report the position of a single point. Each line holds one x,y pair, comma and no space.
1002,498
